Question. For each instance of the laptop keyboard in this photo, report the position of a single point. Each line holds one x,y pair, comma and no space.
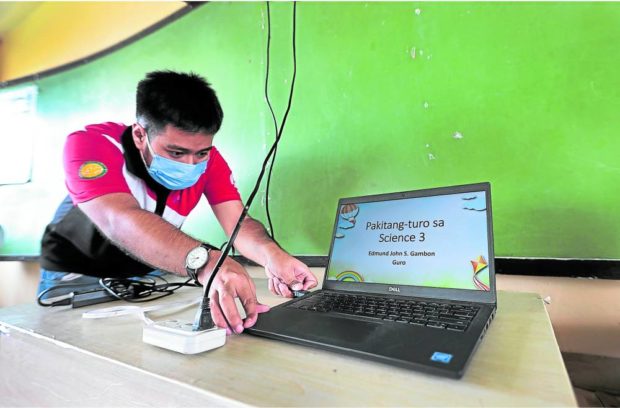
437,315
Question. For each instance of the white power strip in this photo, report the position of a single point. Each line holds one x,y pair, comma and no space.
177,335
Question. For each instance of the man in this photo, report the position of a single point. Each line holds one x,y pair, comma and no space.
131,189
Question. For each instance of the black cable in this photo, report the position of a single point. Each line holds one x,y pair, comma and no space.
278,131
141,289
203,319
133,290
262,172
275,121
290,96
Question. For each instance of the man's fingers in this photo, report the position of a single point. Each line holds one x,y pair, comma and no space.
287,276
248,299
276,286
272,289
309,284
216,313
260,308
252,285
284,290
305,275
310,281
229,308
251,315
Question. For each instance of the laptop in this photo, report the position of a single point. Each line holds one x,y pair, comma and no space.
410,281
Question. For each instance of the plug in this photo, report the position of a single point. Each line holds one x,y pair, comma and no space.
203,319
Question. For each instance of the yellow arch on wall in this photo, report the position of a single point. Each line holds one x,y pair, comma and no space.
56,33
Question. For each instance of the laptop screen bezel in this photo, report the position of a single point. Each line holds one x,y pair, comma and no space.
468,295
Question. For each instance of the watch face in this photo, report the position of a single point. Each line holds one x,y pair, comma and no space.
197,257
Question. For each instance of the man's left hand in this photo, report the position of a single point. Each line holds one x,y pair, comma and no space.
286,274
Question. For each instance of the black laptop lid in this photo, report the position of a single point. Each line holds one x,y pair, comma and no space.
434,243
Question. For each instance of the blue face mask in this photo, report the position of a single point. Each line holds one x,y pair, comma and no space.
172,174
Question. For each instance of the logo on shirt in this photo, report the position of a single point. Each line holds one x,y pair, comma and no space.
92,170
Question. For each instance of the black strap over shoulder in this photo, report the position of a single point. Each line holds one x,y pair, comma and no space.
136,166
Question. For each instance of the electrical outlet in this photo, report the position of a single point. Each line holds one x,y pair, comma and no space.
178,335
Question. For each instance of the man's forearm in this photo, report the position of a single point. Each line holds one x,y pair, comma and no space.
254,243
152,240
142,234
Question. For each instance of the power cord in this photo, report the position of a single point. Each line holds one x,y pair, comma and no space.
141,289
278,129
134,290
203,320
272,233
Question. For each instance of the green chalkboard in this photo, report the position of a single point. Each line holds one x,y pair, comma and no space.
389,97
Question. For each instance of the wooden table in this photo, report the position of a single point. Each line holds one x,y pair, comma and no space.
53,357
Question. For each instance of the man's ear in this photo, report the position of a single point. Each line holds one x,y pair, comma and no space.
138,135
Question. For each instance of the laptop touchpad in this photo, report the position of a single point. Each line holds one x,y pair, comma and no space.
332,330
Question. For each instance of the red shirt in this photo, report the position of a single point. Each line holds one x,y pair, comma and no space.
103,159
95,165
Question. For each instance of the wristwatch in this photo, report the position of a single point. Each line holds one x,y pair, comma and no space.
196,259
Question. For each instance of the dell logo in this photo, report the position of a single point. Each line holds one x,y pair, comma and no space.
393,289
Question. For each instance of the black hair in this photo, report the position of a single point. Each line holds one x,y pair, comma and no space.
185,101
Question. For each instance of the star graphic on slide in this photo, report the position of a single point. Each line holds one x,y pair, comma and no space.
479,264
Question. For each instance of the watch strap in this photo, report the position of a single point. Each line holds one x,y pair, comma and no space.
192,273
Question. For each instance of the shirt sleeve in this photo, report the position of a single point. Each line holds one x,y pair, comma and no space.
93,166
220,185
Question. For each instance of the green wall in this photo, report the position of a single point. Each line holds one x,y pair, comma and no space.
532,88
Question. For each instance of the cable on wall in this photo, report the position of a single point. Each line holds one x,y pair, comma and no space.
278,129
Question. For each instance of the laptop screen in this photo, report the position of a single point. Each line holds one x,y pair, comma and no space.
438,241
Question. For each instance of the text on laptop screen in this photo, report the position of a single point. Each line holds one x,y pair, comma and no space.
438,241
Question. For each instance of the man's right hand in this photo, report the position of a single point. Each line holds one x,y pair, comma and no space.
232,281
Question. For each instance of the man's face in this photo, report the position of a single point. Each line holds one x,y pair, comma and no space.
173,144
